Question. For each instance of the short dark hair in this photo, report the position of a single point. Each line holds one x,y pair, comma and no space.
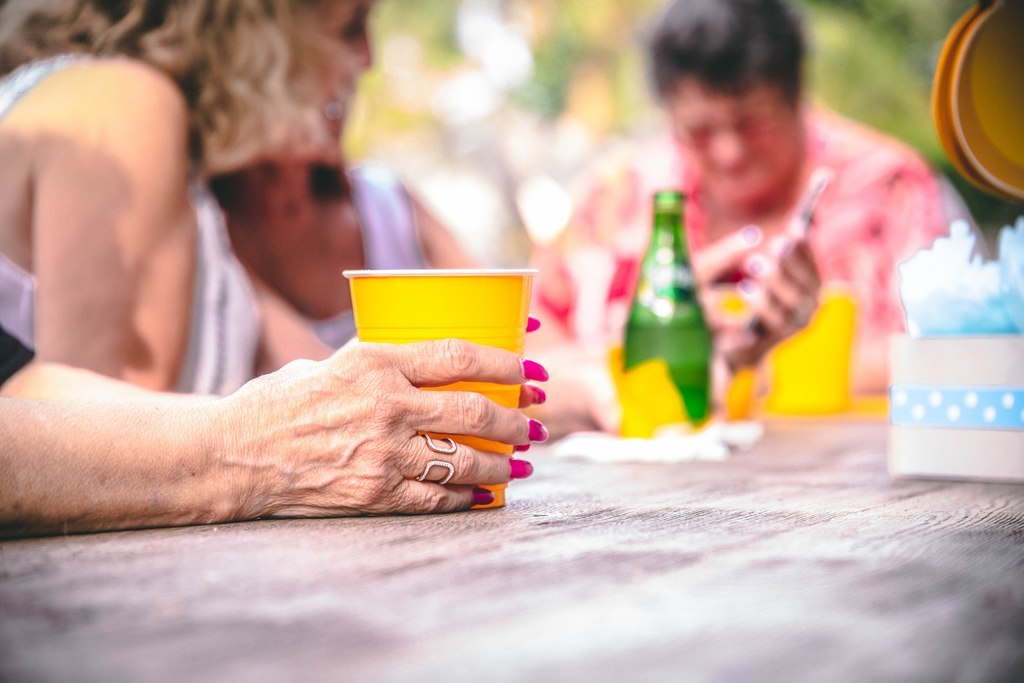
729,46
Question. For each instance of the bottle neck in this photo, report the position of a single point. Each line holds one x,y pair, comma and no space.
666,273
667,240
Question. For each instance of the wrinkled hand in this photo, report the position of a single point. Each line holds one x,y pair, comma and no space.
340,437
779,284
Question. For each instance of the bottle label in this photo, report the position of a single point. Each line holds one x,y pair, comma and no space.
667,279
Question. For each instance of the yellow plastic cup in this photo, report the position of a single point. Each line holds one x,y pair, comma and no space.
650,402
487,307
810,371
741,390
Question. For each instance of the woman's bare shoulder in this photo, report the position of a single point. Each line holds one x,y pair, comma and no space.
102,95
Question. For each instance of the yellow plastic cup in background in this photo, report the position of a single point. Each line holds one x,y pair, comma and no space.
487,307
741,391
649,399
810,371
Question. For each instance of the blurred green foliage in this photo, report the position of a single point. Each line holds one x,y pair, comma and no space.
874,60
871,60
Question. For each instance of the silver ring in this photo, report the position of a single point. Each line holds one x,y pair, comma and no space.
438,463
432,445
757,326
334,111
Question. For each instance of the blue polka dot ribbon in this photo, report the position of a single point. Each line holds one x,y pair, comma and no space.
964,407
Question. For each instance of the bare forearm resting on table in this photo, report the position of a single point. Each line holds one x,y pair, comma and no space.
69,467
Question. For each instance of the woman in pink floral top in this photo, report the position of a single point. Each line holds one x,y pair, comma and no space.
742,147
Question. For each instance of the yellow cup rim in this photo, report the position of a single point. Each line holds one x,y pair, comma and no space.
440,272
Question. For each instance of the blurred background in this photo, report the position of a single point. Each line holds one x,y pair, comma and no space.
489,108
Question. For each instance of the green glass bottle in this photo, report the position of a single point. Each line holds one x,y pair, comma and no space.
665,320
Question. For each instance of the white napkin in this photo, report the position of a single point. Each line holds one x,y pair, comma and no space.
713,442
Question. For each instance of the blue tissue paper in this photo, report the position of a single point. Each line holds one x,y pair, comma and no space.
949,289
1011,271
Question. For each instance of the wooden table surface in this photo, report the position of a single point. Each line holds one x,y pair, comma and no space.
799,560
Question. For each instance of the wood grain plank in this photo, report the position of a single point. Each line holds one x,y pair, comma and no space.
799,560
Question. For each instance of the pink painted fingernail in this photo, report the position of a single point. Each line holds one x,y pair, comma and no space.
482,497
532,324
535,371
538,432
751,234
754,265
748,288
519,469
522,447
539,395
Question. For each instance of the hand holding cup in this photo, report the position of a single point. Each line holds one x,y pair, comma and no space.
355,446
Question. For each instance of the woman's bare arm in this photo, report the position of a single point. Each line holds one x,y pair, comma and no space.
330,438
112,230
121,458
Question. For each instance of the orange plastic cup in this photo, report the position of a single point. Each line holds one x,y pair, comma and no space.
487,307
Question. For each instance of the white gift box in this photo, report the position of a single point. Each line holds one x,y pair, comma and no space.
956,408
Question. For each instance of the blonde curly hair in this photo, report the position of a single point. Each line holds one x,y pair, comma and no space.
252,71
